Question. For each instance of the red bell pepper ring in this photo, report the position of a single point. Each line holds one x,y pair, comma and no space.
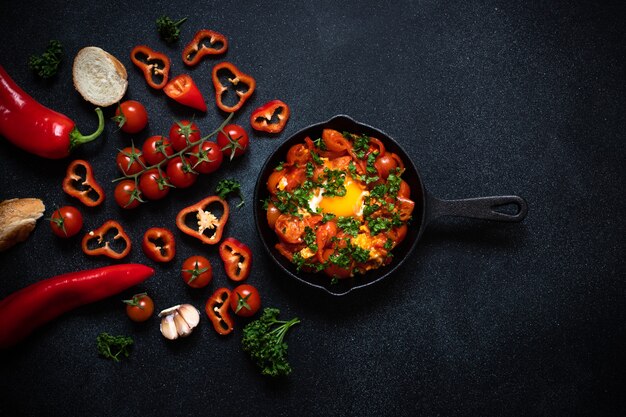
31,307
79,182
217,310
270,117
154,65
159,244
185,91
205,42
102,244
234,78
209,226
35,128
237,259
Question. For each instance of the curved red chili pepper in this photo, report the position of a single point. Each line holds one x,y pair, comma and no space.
186,92
159,244
103,245
217,310
237,258
35,128
270,117
198,48
207,221
154,65
80,182
234,78
29,308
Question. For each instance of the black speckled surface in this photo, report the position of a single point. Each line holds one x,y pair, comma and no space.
484,319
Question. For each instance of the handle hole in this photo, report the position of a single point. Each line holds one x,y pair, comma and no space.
510,209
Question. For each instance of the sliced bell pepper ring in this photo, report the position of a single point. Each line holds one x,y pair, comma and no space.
270,117
205,42
159,244
184,90
216,308
207,221
237,258
102,245
234,77
79,182
154,65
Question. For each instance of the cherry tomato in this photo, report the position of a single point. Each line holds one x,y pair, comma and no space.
384,164
153,184
66,221
298,154
197,271
140,307
206,157
131,116
245,300
127,195
180,173
272,214
156,148
130,160
184,133
233,140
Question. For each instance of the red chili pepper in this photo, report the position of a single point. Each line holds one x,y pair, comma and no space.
109,230
155,65
234,77
209,226
205,42
216,309
35,128
31,307
237,258
159,244
80,182
270,117
185,91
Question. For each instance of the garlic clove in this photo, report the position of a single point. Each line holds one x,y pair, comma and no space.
182,327
190,314
168,327
179,320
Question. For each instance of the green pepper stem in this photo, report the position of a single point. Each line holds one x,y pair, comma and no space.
76,138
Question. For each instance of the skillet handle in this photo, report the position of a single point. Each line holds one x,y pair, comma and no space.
485,208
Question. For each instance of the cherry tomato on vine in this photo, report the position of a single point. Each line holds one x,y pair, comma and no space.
127,195
140,307
156,148
131,116
197,271
180,173
183,133
245,300
206,157
233,141
130,160
153,184
66,221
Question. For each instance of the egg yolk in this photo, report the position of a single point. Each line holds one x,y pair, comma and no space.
346,205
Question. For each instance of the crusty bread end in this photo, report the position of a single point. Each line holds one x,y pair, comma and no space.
18,217
99,77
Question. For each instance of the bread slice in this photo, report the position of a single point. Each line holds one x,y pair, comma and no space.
99,77
18,217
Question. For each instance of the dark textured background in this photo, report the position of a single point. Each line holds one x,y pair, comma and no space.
485,319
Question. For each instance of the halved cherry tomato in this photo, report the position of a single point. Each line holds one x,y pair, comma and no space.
384,164
180,172
206,157
333,270
153,184
233,140
159,244
130,160
105,241
405,190
66,221
140,307
216,309
127,195
298,154
183,133
237,259
405,208
184,90
155,149
334,140
79,182
131,116
245,300
197,271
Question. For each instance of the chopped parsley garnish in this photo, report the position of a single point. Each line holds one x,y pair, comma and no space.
316,158
378,225
350,225
327,217
361,145
320,144
310,239
309,170
280,166
333,181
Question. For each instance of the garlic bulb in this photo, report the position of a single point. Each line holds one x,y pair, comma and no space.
179,321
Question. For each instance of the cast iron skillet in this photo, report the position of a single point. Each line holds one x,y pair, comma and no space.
427,208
